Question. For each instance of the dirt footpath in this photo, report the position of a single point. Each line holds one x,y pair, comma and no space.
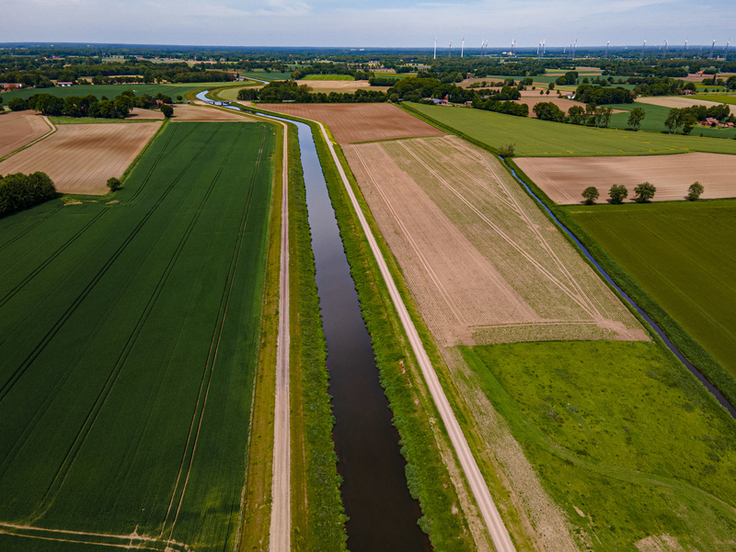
563,179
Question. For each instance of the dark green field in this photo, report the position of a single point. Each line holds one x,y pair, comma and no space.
623,438
113,90
128,341
683,255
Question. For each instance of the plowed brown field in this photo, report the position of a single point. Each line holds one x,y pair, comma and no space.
80,158
19,128
201,112
563,179
351,123
481,260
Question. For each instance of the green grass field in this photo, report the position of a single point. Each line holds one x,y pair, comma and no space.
722,98
268,76
112,90
128,340
655,118
329,77
683,255
535,138
622,437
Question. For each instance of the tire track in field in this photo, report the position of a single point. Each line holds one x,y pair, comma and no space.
11,241
50,334
209,368
8,296
94,413
543,242
524,253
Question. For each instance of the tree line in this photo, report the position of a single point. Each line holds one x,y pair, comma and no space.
643,193
91,106
290,91
20,191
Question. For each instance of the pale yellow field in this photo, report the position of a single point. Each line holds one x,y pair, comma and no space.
679,102
481,260
563,179
80,158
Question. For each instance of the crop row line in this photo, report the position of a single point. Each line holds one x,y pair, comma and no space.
8,296
12,240
209,368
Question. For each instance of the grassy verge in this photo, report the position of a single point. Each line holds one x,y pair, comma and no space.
624,440
318,519
688,346
256,505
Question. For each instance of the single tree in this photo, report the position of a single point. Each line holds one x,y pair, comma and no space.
509,150
618,193
644,192
636,117
590,194
606,113
577,114
694,191
17,104
114,184
674,120
167,110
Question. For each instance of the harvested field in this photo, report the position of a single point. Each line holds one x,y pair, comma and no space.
563,179
352,123
563,103
139,113
692,77
482,261
201,112
18,128
340,86
80,158
679,101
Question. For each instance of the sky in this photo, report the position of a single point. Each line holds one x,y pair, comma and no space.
369,23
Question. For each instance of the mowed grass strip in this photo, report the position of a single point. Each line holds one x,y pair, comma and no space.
127,361
535,138
622,437
682,254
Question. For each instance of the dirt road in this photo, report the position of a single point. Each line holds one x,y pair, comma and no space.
280,529
494,523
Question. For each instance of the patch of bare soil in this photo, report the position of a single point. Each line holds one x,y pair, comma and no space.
340,86
563,179
679,102
18,128
661,543
351,123
192,112
81,158
148,114
481,260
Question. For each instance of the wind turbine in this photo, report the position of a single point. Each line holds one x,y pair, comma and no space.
449,53
574,47
607,45
462,48
686,44
725,50
435,48
641,56
713,47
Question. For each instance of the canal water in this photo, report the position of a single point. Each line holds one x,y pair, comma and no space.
383,515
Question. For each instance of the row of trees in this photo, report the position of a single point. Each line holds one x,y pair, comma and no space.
290,91
91,106
601,95
688,117
643,193
20,191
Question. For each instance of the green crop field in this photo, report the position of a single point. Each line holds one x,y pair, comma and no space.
731,100
268,75
329,77
129,335
623,438
112,90
535,138
683,255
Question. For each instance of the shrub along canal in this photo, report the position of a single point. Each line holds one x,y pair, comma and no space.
383,515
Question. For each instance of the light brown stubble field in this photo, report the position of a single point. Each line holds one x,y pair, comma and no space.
679,102
351,123
481,260
563,179
80,158
18,128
